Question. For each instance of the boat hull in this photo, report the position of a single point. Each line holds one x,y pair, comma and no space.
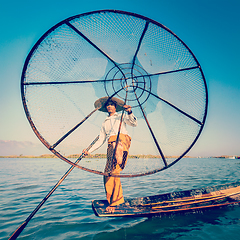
175,202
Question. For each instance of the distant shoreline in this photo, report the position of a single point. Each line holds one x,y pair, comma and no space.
104,156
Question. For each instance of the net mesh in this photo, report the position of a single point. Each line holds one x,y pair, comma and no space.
119,54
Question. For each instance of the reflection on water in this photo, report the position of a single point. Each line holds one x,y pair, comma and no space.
67,214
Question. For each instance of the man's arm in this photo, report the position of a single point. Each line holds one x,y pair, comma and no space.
98,143
130,119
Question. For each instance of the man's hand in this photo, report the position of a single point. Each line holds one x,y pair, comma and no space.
85,152
128,108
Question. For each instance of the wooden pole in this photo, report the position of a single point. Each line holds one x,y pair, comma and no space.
24,224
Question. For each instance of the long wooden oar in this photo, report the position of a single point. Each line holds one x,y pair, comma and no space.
195,201
24,224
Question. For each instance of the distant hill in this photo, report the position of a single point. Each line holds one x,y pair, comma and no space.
99,155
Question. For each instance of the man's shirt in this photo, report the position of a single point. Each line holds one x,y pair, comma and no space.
110,127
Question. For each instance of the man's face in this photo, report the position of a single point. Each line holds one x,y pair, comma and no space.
111,107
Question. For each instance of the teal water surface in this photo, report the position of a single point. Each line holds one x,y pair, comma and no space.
67,214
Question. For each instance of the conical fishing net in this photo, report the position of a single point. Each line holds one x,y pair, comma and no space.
122,55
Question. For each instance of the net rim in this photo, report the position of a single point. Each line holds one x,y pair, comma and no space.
41,138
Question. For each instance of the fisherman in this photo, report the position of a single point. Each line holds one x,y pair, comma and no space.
121,141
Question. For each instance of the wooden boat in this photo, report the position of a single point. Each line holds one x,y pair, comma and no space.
175,202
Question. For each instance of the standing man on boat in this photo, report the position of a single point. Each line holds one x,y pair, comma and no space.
121,141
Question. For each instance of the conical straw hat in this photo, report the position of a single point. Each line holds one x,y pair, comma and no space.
101,102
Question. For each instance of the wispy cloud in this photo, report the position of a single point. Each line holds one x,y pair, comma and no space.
10,147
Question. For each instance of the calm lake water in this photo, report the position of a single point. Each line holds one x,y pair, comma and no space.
67,214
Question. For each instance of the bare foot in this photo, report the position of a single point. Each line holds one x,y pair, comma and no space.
110,209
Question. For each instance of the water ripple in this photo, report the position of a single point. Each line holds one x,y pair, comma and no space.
67,214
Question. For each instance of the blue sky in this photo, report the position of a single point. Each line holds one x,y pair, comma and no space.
210,28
